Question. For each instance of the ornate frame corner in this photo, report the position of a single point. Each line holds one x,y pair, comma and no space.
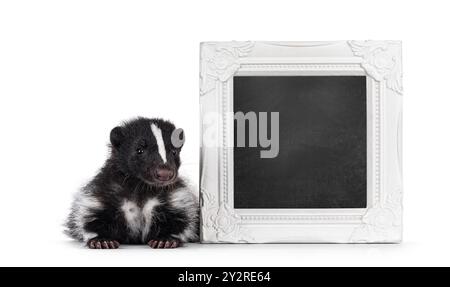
220,61
382,60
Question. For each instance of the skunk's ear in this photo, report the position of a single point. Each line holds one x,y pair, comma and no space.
177,138
116,136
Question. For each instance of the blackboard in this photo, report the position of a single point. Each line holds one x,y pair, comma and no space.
322,156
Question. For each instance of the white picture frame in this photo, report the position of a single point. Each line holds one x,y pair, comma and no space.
381,221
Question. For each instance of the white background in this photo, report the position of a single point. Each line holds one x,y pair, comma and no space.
72,70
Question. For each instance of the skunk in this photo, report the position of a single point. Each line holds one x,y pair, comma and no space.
137,197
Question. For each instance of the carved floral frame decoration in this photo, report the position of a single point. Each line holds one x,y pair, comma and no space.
381,62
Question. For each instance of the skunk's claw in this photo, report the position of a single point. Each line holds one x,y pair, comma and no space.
163,244
103,244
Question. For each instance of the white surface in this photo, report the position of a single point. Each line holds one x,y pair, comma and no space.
69,71
381,221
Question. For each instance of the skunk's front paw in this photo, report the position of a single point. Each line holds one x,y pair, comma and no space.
97,243
170,243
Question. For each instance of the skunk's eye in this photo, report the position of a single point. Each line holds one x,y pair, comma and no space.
175,152
140,150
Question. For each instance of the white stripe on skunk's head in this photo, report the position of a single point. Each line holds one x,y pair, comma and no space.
148,149
159,141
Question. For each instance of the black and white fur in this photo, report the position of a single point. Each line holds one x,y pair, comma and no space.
137,197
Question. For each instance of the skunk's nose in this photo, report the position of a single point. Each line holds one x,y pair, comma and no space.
164,174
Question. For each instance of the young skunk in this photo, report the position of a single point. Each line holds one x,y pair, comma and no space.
137,197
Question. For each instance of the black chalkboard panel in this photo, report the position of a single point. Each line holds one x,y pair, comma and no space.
321,162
